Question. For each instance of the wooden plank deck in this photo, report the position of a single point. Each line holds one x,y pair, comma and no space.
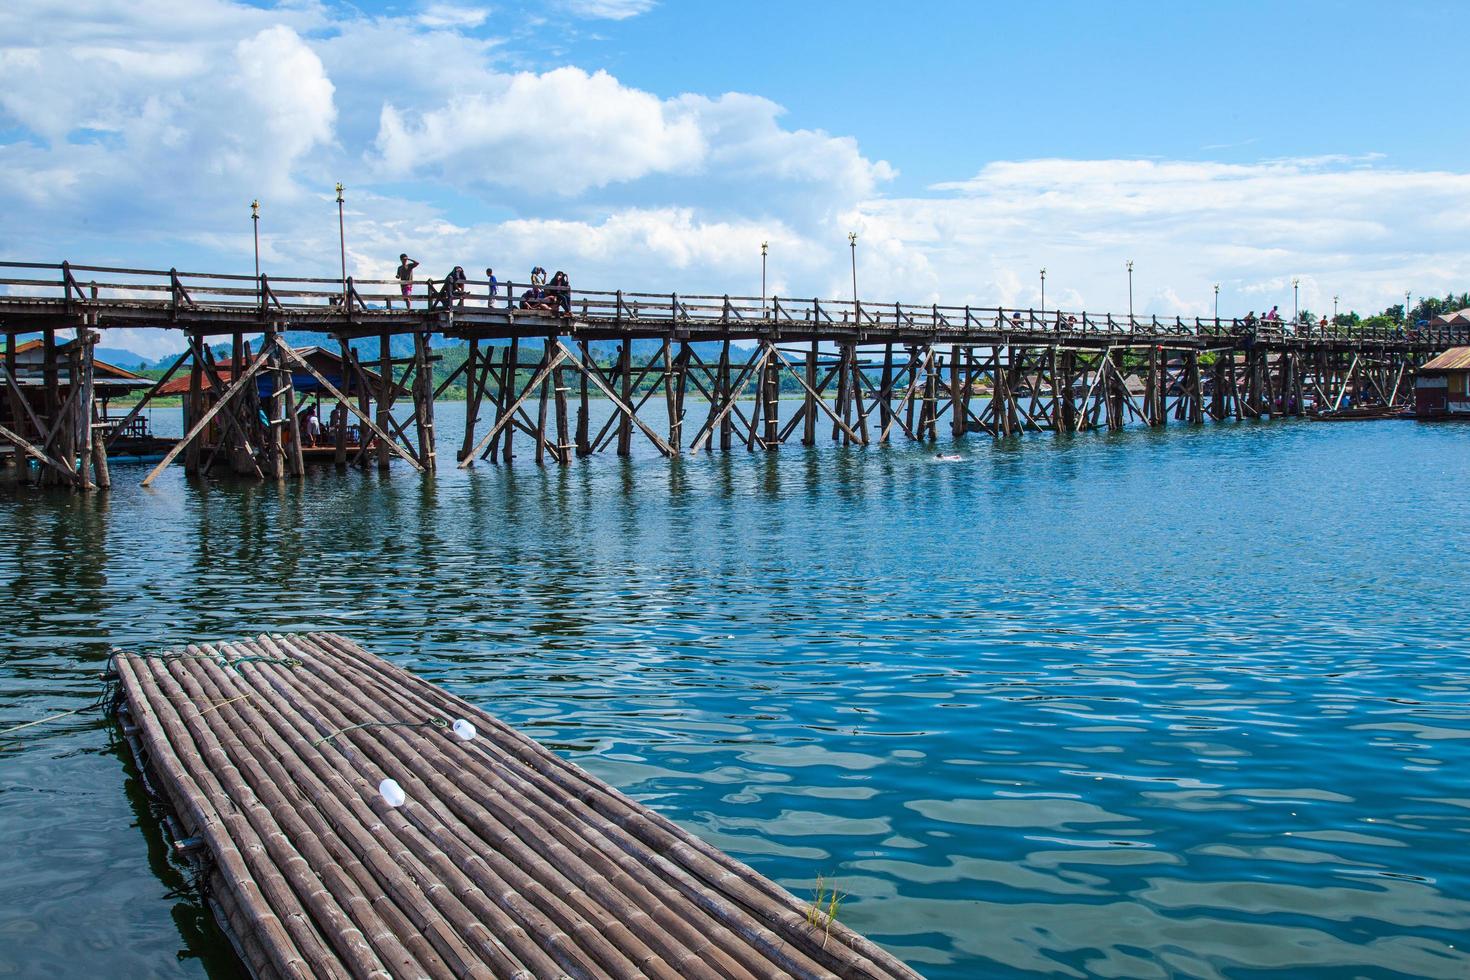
505,860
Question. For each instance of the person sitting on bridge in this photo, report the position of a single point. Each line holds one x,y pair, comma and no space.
406,266
1273,316
454,287
535,298
560,292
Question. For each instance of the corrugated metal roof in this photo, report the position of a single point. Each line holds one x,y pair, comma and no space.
1455,318
1454,359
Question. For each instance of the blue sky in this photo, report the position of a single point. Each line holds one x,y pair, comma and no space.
643,144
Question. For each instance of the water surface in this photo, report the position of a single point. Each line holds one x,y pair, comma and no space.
1181,703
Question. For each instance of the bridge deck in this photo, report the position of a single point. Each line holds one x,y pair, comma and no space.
41,296
504,860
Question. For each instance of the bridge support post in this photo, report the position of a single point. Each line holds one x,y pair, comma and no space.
1063,376
509,374
194,402
727,427
957,425
929,411
474,390
673,388
1117,389
1151,388
809,402
860,411
584,448
295,458
1193,389
885,386
385,397
91,415
625,374
423,399
844,354
339,412
564,445
771,392
364,404
541,401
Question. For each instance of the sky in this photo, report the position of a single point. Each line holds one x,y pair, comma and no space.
654,144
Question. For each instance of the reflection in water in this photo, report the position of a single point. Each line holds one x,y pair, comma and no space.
1140,704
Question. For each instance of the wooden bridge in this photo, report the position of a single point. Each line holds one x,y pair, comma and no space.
867,371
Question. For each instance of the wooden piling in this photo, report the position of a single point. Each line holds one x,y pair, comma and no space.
584,414
625,376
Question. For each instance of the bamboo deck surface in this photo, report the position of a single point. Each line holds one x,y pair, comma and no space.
505,861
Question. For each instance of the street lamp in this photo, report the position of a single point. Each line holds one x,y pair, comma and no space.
852,243
1217,301
1334,308
1295,306
1043,290
342,241
255,222
1406,307
1130,293
764,246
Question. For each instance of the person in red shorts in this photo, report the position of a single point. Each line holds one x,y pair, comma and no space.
406,266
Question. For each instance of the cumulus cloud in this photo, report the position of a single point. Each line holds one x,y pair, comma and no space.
562,132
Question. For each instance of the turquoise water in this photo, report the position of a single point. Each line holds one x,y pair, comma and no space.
1181,703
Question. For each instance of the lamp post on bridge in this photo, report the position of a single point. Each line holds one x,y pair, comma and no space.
1406,308
1130,294
1043,291
1295,304
852,243
255,222
1217,301
342,242
764,246
1334,309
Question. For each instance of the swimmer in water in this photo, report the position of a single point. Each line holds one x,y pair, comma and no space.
948,459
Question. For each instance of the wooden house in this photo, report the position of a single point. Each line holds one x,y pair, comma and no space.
1442,386
31,399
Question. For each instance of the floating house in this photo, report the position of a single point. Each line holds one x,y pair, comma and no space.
1442,386
337,426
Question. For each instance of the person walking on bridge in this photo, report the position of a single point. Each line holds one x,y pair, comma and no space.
406,266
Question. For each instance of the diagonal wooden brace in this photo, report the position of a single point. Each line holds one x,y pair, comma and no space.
342,399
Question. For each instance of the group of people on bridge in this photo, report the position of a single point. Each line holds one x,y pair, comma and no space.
553,296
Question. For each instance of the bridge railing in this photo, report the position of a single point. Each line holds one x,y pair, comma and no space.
269,298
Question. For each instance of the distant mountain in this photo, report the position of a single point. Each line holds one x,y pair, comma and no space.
120,357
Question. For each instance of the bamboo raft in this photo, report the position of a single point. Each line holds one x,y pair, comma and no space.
504,860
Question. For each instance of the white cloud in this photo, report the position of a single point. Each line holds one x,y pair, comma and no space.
560,132
608,9
1343,226
449,15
